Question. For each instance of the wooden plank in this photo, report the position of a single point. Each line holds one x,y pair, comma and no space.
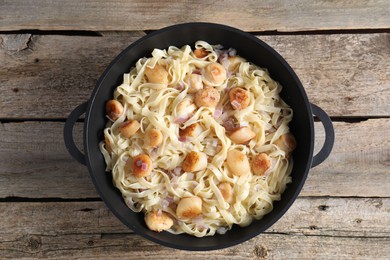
346,75
32,154
312,228
34,163
37,70
50,81
249,15
367,217
130,246
359,164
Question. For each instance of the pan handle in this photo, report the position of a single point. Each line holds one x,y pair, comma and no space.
68,133
329,136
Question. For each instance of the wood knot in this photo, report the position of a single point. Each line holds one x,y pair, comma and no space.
16,90
90,243
377,203
261,252
34,243
322,207
358,220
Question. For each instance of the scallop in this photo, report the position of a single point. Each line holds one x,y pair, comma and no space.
226,191
261,163
286,142
214,74
234,63
153,138
200,53
195,83
195,161
157,74
114,109
184,110
242,135
142,165
207,97
158,221
239,98
237,162
129,128
189,207
191,131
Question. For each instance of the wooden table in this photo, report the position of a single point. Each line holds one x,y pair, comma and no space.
52,53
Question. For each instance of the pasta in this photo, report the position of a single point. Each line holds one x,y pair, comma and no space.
198,140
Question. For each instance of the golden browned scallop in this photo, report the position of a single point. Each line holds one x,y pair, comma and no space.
286,142
261,163
239,98
158,221
185,109
108,145
193,130
207,97
242,135
237,162
142,165
189,207
157,74
200,53
234,63
114,109
128,168
226,191
194,161
214,74
195,83
129,128
153,138
185,103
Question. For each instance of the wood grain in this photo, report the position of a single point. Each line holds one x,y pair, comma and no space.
249,15
33,156
308,216
48,76
312,228
130,246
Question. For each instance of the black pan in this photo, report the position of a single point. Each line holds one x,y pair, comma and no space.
248,47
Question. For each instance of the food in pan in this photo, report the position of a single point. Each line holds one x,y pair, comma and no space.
198,140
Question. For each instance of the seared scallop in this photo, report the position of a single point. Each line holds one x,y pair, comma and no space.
234,63
158,221
114,109
129,128
157,74
286,142
200,53
261,163
207,97
195,161
193,130
142,165
226,191
214,74
239,98
107,144
195,83
242,135
153,138
189,207
237,162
